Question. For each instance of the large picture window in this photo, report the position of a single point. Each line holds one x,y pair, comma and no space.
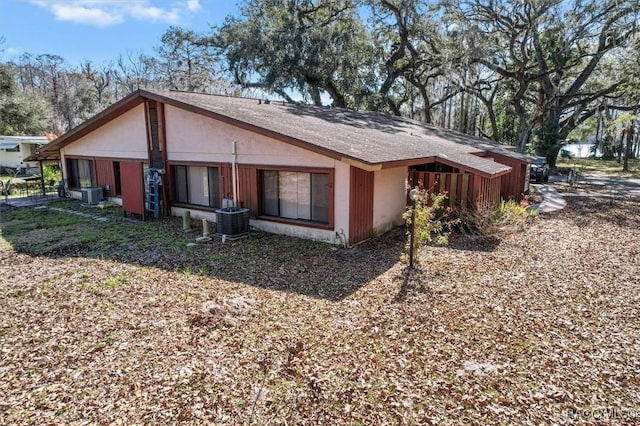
296,195
80,173
197,185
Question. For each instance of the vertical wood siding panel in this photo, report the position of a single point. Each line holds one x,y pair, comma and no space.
496,187
132,187
512,184
360,205
105,176
226,187
460,186
453,189
464,191
248,188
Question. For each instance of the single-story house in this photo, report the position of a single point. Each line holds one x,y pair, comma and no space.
14,150
327,174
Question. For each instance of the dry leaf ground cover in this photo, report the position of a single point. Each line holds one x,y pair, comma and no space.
121,323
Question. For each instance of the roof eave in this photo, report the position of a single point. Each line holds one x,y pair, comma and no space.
44,156
475,170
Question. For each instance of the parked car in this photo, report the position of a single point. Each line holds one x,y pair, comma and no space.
539,170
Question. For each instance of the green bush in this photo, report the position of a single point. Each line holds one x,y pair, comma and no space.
432,222
51,174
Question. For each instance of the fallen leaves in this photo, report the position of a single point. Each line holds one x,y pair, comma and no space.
537,327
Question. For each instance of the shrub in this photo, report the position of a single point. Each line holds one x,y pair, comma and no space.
432,222
51,174
503,216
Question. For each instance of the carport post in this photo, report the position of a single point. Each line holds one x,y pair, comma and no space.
44,190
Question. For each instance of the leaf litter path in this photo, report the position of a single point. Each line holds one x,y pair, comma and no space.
534,327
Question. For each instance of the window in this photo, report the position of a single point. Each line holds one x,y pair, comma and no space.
80,173
197,185
117,179
295,195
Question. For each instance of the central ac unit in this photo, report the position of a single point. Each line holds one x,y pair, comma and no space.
232,223
91,196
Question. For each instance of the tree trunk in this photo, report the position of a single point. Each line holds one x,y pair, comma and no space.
523,133
314,92
427,104
627,150
494,125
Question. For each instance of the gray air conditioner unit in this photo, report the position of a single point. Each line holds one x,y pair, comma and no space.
91,196
232,223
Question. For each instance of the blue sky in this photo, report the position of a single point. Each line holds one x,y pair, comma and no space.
100,30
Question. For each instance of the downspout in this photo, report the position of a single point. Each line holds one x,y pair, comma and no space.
234,173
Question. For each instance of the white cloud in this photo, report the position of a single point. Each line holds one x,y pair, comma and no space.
145,12
103,13
86,15
193,5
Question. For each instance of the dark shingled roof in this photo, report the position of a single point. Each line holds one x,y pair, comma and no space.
366,137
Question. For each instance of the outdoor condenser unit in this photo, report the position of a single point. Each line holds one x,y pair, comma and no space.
91,196
232,223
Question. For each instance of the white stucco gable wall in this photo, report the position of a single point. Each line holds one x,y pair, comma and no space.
194,137
123,137
389,198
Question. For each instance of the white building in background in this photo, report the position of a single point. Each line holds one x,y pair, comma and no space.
581,150
14,149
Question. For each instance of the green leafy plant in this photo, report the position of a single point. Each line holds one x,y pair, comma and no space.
51,174
432,222
116,281
190,271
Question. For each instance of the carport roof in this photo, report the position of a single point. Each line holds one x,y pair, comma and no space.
366,139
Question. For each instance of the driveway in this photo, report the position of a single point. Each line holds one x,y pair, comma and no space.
598,186
551,198
557,189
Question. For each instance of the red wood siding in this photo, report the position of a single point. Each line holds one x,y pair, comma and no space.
132,187
248,189
226,182
465,190
511,184
105,176
488,192
360,205
460,186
